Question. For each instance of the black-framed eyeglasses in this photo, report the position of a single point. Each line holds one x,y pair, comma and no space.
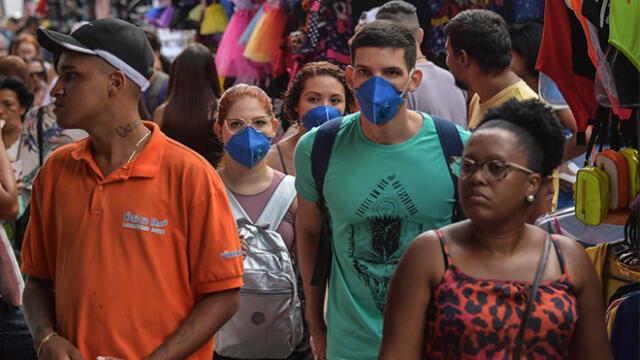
492,170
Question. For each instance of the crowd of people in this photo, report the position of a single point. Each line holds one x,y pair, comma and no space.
385,212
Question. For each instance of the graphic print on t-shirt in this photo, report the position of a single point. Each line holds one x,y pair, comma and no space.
384,214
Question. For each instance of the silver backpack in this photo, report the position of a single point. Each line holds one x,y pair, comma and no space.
268,323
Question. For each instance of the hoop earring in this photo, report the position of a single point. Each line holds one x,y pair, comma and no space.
530,198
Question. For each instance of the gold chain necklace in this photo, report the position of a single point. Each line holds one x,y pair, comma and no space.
135,151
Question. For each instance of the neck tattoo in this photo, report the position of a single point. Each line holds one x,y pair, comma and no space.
135,151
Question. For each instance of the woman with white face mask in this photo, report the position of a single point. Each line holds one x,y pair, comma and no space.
245,124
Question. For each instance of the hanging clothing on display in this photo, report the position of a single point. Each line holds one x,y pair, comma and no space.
615,84
611,272
606,90
624,18
264,44
563,57
623,326
519,11
441,12
328,30
230,51
214,20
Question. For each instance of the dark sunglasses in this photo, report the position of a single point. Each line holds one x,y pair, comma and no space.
40,74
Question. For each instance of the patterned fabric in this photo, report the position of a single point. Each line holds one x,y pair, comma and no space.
442,11
472,318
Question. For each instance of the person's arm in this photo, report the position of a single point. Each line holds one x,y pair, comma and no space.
8,189
589,340
209,314
571,148
158,115
308,229
39,312
405,313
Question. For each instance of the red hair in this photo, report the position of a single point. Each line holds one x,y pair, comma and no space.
25,38
238,92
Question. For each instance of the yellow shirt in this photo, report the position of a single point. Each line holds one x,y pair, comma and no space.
611,272
519,90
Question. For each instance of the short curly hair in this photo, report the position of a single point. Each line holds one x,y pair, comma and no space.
22,91
537,128
313,69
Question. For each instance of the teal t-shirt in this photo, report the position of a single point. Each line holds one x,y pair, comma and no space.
380,197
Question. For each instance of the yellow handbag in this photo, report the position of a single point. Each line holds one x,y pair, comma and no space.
591,195
214,20
631,155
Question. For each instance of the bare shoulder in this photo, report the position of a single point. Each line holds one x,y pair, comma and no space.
578,264
158,115
425,256
273,158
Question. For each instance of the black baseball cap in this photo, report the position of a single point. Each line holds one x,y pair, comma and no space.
120,43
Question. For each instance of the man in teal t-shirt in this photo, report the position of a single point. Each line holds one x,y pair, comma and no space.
386,183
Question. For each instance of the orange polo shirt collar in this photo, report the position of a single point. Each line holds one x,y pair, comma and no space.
144,165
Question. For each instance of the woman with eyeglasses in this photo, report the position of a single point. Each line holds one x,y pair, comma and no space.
245,124
39,80
463,291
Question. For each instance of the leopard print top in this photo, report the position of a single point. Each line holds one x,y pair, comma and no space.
472,318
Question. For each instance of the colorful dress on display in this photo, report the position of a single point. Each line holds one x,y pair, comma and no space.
264,44
473,318
229,53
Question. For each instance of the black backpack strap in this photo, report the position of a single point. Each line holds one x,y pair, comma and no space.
451,146
320,155
40,133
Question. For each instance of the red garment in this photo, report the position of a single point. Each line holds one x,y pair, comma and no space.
472,318
563,57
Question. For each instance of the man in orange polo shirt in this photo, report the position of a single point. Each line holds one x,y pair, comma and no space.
132,251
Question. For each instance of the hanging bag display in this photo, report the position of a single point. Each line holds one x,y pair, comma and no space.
631,156
615,165
591,193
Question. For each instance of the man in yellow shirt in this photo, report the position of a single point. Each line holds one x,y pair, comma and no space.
479,57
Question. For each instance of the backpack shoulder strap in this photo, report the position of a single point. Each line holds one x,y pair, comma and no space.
236,209
321,152
278,203
451,146
40,133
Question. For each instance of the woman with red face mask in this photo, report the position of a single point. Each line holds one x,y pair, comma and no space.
493,286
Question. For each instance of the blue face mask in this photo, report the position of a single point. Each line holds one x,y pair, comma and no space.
319,115
248,146
379,100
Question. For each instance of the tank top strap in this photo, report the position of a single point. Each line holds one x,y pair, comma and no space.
556,246
445,249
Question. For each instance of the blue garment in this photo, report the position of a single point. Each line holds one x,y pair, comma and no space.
626,329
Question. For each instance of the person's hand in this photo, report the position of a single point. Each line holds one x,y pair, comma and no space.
59,348
319,342
57,141
20,183
243,246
